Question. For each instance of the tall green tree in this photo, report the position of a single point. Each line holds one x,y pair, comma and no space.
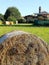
12,11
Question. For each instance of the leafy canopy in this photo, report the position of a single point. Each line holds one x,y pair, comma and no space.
12,11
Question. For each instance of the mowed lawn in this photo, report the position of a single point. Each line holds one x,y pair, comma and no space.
42,32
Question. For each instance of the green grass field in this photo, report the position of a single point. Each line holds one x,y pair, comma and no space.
42,32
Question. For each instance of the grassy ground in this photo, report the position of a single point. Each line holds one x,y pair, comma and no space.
42,32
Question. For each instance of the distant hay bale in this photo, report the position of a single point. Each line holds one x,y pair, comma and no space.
9,22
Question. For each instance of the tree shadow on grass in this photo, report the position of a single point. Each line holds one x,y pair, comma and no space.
24,25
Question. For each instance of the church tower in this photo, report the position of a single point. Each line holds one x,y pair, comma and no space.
39,9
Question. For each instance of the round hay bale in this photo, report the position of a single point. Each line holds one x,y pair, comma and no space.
21,48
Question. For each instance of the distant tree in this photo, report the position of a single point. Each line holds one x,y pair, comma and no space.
1,17
12,11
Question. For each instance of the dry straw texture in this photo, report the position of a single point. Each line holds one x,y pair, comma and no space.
20,48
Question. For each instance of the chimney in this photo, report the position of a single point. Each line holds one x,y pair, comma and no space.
39,9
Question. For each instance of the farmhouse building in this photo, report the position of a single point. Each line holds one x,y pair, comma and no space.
44,14
30,18
42,18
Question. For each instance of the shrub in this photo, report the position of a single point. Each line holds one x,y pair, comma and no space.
22,20
11,18
41,22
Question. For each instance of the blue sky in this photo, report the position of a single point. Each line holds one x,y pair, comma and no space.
26,7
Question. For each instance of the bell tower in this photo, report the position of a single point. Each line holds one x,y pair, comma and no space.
39,9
